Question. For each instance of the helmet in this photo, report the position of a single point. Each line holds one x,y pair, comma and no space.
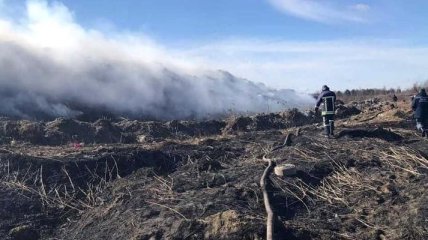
325,88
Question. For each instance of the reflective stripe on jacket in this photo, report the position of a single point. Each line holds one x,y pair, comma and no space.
420,106
328,99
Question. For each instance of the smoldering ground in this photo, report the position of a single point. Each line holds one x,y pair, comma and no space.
50,66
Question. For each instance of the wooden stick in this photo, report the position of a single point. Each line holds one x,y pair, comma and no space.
263,184
268,207
287,141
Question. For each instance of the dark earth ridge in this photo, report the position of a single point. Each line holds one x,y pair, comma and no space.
127,179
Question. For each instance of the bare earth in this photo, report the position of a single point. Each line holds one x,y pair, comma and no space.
187,180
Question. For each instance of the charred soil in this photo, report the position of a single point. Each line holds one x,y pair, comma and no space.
69,179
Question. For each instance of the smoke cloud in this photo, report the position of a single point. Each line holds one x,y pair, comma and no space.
50,66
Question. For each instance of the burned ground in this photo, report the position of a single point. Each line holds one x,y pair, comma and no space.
200,180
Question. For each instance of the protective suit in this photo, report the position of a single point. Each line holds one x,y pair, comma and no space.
328,100
420,111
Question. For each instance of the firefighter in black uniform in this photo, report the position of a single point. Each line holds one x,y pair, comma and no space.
328,99
394,98
420,111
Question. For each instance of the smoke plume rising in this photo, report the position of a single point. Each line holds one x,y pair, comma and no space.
50,66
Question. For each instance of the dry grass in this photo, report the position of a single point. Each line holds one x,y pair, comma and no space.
341,185
59,196
344,182
403,160
345,185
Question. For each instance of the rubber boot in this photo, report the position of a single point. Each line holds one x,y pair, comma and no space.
331,127
419,126
327,130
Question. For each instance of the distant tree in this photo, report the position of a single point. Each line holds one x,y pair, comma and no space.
347,92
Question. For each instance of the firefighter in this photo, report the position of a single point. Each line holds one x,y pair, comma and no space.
394,98
328,100
420,111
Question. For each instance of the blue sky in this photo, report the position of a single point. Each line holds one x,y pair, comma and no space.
300,44
187,20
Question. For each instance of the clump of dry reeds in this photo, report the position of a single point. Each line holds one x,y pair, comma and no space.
345,185
68,195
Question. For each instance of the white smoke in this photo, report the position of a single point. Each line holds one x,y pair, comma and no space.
51,66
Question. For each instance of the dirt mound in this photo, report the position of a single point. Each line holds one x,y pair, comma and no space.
343,111
372,133
106,132
62,131
31,130
21,130
238,124
270,121
156,131
192,128
230,224
294,118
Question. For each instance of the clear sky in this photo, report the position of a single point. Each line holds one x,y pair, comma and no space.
300,44
188,20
